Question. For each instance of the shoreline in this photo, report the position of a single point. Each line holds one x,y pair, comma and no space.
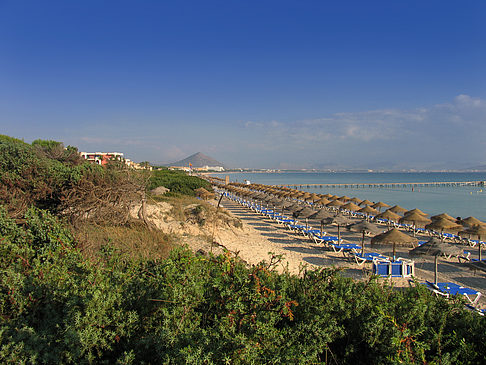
261,235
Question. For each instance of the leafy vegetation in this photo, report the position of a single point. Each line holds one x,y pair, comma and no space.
59,307
178,182
99,292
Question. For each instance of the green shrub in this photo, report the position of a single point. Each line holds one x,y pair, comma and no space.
58,307
177,181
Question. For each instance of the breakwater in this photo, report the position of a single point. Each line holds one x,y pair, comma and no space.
388,184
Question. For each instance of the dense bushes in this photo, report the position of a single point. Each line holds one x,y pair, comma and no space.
177,181
29,177
58,307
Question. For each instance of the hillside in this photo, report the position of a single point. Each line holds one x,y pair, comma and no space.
198,160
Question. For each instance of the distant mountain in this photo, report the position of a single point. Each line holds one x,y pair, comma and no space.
479,168
198,160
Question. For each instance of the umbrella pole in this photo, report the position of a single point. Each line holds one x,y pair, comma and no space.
362,244
322,226
393,251
479,249
339,235
435,272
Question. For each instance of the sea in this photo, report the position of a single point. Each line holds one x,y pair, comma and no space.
457,201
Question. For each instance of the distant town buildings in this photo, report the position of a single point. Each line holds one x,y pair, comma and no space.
102,158
197,169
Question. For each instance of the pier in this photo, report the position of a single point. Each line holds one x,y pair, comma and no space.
388,185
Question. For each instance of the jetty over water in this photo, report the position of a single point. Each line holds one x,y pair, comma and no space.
388,185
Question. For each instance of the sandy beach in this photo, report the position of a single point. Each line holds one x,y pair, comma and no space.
260,237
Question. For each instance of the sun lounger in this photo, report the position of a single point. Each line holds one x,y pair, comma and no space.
447,289
366,257
402,268
324,239
344,247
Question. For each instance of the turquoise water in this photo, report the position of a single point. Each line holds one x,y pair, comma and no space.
458,201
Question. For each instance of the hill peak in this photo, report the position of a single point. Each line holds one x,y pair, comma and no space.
198,159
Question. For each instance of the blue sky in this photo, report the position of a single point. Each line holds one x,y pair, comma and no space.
251,83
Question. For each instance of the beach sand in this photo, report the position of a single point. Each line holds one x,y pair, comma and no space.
260,237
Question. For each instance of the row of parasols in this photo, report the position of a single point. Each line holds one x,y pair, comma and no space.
281,198
290,200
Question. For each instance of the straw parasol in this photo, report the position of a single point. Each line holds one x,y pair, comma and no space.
470,221
364,227
416,210
380,205
442,224
479,231
323,201
435,247
338,220
394,237
295,207
322,214
335,203
368,210
388,214
304,213
415,217
443,215
355,200
397,209
351,206
366,202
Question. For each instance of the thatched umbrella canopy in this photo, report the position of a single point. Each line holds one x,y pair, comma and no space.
295,207
415,218
443,224
416,210
351,206
366,202
203,193
323,201
335,203
398,209
344,198
380,205
479,231
394,237
338,220
388,214
304,213
315,197
328,196
471,221
435,247
322,214
364,227
443,215
355,200
334,197
368,210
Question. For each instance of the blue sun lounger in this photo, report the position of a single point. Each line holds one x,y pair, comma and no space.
400,268
366,257
448,289
324,239
344,247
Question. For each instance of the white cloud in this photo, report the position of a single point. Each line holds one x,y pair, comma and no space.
442,133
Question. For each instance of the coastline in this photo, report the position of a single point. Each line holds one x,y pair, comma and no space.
261,235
